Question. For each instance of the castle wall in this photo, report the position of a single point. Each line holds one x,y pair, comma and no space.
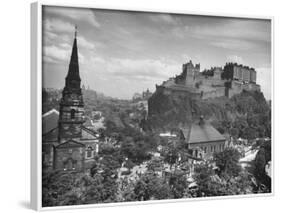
169,82
213,92
253,76
211,86
237,87
246,74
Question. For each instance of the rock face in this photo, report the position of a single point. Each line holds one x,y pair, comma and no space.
168,111
176,110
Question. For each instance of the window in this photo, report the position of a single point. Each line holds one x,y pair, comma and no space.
89,152
72,113
196,153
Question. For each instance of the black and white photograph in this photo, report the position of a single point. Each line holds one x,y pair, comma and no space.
144,106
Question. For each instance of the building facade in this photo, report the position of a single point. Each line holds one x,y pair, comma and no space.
203,140
67,144
216,82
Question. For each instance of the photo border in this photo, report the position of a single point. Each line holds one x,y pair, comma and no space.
36,104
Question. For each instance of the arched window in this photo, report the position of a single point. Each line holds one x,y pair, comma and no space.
72,113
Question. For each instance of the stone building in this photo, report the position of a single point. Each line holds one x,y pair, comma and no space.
238,72
189,74
146,94
203,139
67,143
212,83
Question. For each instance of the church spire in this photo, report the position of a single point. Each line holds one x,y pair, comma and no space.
75,33
73,70
71,105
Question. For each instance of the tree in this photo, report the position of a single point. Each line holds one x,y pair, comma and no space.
104,175
136,149
155,164
178,184
262,158
171,156
250,133
55,186
151,187
211,184
234,132
227,161
207,186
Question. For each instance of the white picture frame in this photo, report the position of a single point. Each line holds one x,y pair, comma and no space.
36,104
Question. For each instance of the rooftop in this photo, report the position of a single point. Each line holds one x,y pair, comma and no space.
202,133
50,120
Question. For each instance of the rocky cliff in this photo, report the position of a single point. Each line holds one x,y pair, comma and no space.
168,111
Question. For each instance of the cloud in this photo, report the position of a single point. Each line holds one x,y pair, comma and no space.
166,18
75,14
181,32
82,42
57,25
231,44
59,54
264,79
235,58
56,54
145,69
134,69
243,29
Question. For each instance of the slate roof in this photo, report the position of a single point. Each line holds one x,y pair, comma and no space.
51,136
50,121
73,70
202,133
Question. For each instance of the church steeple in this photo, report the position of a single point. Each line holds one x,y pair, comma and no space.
71,115
73,78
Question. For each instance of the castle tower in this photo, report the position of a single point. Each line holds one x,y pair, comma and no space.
71,115
190,72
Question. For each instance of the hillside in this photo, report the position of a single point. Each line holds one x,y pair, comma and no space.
245,115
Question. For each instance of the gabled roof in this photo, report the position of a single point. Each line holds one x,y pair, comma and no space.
202,133
90,131
51,136
50,120
70,144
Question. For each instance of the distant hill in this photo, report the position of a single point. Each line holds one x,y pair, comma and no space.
115,111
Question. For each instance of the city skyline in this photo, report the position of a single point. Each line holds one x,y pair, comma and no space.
123,52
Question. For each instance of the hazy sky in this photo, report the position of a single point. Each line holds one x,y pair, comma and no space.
121,52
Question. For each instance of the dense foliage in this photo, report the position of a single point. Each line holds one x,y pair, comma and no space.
227,162
246,115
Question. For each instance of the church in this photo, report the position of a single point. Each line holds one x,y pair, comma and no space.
67,144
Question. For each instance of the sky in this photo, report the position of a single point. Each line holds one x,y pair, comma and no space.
124,52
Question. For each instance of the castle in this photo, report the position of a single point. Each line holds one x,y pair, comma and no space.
215,82
67,144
